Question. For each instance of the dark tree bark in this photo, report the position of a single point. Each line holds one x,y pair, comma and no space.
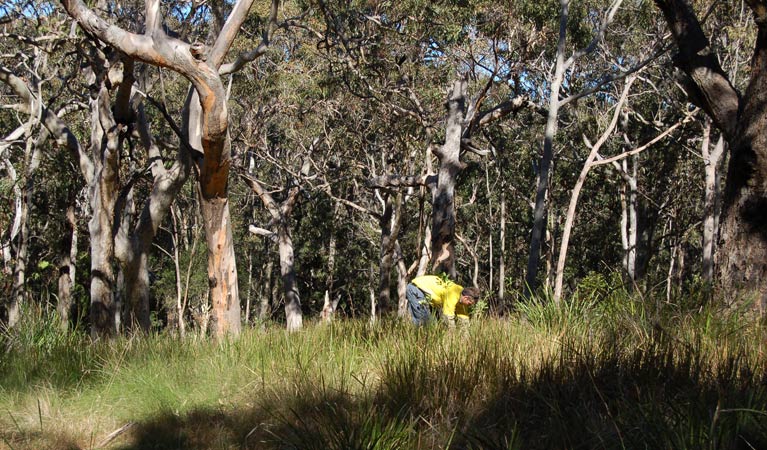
742,254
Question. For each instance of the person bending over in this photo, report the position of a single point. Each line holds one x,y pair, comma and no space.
429,291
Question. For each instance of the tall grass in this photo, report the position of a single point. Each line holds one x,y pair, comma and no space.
595,372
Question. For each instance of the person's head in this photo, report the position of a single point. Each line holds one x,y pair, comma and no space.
470,295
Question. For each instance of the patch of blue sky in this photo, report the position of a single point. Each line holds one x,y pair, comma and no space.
25,8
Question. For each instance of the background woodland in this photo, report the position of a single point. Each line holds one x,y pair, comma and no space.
204,165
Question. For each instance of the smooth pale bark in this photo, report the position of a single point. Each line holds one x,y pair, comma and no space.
712,200
135,243
628,223
502,256
552,123
331,301
293,314
443,206
12,310
570,218
281,219
31,163
542,184
33,107
491,256
95,163
402,281
67,271
222,269
742,257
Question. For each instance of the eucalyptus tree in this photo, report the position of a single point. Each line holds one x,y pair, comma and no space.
740,117
201,65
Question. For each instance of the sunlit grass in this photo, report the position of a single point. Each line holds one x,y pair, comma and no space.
601,374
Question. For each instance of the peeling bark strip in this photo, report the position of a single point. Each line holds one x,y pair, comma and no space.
222,270
742,259
208,124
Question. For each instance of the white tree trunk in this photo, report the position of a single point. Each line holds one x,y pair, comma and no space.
542,185
502,256
712,199
570,218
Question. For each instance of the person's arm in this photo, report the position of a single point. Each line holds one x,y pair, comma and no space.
451,298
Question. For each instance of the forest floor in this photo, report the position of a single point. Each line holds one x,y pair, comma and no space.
590,375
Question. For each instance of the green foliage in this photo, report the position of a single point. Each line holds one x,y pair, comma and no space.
546,381
38,349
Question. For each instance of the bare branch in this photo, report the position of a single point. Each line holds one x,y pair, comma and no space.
644,147
249,56
710,88
598,36
397,181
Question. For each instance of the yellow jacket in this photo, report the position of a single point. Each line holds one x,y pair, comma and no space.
444,294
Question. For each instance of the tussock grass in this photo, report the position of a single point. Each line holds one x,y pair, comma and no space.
592,374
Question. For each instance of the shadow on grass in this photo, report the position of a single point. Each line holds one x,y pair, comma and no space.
653,398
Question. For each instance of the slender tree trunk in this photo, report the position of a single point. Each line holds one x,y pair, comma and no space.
443,206
331,302
491,256
19,293
385,257
390,223
671,268
280,217
402,282
273,294
712,200
633,223
502,256
249,292
541,191
571,209
423,262
293,314
67,266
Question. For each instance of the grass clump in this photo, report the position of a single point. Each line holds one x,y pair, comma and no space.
604,373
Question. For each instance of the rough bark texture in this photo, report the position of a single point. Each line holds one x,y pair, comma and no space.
222,270
67,267
385,258
443,207
742,257
200,66
104,312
